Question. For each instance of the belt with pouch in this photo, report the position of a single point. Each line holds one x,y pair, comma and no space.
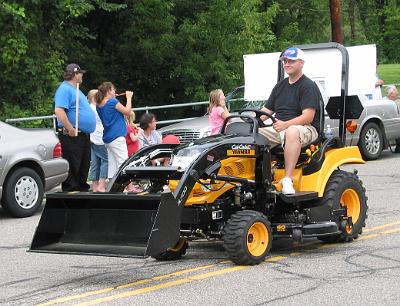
64,131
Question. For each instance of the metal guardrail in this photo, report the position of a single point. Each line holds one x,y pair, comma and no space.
387,85
26,119
145,108
30,118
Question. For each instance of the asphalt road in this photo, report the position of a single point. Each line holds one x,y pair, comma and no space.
364,272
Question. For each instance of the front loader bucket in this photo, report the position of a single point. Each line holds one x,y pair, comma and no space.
109,224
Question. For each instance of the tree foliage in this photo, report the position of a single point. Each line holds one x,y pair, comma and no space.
167,51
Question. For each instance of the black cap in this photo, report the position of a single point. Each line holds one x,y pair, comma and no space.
73,68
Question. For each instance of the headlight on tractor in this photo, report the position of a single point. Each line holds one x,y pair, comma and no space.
184,162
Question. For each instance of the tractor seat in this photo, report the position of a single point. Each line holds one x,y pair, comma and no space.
278,152
239,128
249,128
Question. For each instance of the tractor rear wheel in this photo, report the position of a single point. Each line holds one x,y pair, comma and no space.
175,253
247,237
344,190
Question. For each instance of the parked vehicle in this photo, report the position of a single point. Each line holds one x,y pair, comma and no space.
378,125
30,164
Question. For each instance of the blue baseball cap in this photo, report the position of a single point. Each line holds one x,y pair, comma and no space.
293,54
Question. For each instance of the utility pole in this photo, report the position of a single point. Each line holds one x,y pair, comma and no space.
336,21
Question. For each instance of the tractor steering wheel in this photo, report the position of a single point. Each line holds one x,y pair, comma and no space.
258,114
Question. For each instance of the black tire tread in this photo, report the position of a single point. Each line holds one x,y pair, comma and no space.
8,200
365,154
234,231
337,178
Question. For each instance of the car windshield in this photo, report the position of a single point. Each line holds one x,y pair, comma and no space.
191,149
235,100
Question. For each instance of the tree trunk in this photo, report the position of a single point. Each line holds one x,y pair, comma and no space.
352,19
336,21
380,4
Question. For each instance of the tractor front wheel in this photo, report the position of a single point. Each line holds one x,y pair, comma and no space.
247,237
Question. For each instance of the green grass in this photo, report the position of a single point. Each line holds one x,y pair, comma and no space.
389,73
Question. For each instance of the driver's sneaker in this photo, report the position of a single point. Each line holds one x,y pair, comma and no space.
287,186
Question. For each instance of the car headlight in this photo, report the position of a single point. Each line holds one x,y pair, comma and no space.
204,132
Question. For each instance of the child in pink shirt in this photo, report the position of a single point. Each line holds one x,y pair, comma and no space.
132,136
217,110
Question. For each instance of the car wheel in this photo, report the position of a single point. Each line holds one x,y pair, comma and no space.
371,141
23,193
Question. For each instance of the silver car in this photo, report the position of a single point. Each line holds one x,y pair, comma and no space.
30,164
378,125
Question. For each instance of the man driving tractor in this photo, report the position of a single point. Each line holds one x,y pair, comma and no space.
295,102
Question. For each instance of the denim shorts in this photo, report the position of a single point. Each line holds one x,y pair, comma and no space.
98,163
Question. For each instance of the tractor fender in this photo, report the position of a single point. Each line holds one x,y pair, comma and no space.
334,158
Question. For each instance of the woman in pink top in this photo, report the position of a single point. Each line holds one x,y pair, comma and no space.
217,110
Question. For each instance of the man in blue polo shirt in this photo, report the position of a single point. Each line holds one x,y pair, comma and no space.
75,144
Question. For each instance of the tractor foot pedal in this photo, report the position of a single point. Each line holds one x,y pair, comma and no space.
298,196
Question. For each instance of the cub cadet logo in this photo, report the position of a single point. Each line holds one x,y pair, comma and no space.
240,149
182,195
281,228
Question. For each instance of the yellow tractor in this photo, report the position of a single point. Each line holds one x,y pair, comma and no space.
222,187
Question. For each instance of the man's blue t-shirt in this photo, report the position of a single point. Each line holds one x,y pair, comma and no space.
65,98
113,121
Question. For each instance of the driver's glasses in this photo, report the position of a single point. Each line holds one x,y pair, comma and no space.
289,61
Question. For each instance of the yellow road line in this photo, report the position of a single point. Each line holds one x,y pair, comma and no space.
136,292
163,285
275,258
364,237
208,275
168,275
136,283
327,246
74,297
367,230
392,231
196,277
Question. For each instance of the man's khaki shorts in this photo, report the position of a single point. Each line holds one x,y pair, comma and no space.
308,134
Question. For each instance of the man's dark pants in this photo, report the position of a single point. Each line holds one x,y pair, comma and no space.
77,151
397,150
